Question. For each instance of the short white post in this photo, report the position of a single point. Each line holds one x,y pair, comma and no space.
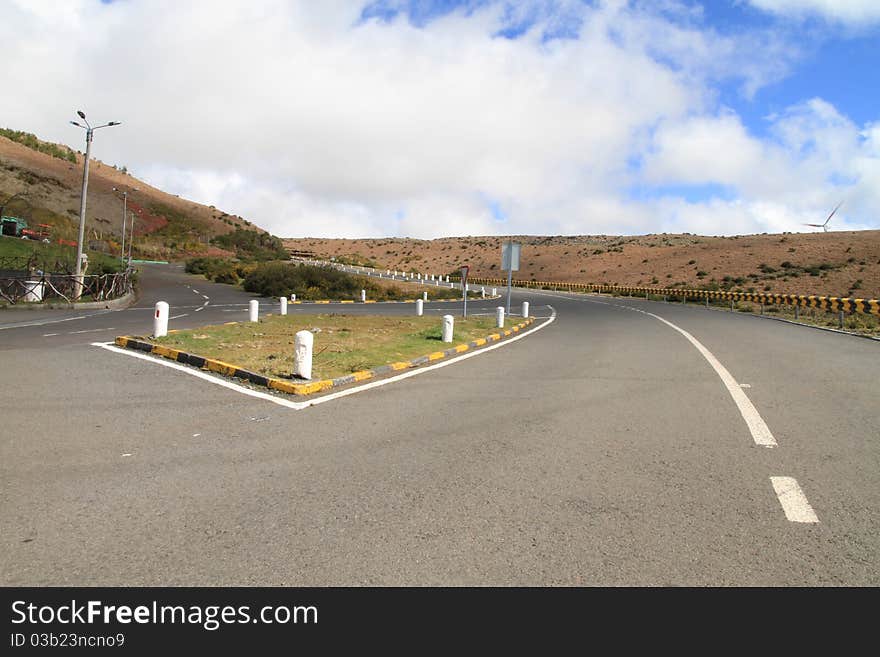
494,291
420,307
424,296
283,305
302,354
499,317
525,309
293,297
363,295
448,325
483,291
254,308
160,320
447,278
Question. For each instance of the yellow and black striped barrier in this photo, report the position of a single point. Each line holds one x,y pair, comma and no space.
832,304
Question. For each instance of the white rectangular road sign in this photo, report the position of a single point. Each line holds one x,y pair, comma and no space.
510,256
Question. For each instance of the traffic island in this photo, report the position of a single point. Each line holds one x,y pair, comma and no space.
261,353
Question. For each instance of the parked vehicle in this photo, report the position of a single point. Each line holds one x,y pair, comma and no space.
13,226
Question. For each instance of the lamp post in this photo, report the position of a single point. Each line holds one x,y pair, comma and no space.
82,203
125,218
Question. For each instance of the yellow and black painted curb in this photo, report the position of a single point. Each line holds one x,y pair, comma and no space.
847,305
311,387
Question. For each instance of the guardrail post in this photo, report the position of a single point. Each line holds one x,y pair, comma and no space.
363,295
762,307
499,317
797,312
448,325
707,301
283,305
302,354
160,320
731,305
525,309
839,319
254,310
420,307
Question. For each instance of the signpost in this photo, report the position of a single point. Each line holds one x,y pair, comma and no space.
464,274
510,263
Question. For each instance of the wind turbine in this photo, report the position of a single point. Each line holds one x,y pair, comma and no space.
825,225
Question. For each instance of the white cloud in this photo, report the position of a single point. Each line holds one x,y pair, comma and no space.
849,12
306,120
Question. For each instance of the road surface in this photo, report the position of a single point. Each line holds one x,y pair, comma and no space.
606,448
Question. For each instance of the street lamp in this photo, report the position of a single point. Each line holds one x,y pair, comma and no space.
85,186
124,218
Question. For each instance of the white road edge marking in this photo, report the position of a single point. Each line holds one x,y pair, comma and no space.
298,406
795,504
760,431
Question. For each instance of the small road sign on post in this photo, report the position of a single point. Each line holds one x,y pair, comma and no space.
464,275
510,263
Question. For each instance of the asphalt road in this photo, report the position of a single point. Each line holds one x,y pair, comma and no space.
602,449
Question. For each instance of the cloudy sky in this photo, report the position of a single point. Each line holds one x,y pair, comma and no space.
426,118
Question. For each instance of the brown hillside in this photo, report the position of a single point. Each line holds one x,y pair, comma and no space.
833,263
165,225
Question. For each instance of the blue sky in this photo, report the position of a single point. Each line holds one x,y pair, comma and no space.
443,117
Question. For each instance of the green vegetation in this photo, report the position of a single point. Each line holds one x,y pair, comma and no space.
219,270
31,141
251,245
27,254
343,343
310,283
356,261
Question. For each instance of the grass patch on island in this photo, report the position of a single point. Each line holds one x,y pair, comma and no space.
343,343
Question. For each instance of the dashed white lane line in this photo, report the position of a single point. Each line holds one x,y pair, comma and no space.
49,335
794,503
179,316
109,328
298,406
53,321
205,296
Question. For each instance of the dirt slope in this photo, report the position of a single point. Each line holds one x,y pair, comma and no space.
165,224
833,263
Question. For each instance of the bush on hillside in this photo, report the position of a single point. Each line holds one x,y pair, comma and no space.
251,245
309,282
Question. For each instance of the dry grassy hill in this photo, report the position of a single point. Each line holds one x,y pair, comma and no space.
833,263
166,226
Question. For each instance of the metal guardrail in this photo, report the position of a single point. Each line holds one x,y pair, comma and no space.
25,288
831,304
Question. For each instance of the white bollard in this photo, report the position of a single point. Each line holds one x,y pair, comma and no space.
424,296
254,310
447,279
499,317
448,325
483,292
160,320
363,295
293,297
525,308
283,305
420,307
302,354
494,291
